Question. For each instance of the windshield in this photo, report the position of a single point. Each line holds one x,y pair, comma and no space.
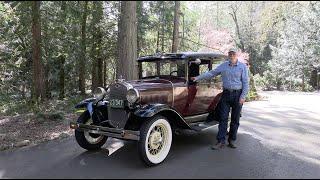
174,68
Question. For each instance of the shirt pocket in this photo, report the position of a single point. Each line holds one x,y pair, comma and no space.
238,74
224,73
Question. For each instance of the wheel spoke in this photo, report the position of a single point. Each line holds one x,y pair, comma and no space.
157,138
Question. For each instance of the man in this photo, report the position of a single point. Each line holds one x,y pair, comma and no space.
235,88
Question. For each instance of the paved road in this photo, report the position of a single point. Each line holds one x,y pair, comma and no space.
278,138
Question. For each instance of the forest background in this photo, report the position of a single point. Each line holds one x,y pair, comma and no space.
53,53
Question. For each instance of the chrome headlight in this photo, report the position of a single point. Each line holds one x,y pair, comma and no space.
132,95
99,93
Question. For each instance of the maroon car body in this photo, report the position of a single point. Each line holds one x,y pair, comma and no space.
187,99
161,102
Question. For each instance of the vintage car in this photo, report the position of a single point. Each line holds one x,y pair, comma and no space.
152,109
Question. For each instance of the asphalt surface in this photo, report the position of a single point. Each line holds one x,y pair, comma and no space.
277,138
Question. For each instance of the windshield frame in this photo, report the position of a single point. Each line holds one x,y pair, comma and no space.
158,70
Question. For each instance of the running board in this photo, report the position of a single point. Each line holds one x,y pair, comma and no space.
196,118
201,126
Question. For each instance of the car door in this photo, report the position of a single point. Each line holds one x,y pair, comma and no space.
204,95
200,94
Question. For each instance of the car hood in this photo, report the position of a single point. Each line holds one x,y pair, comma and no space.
145,84
154,90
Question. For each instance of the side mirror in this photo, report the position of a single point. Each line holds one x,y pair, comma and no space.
197,61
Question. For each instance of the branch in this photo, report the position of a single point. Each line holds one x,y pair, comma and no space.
201,44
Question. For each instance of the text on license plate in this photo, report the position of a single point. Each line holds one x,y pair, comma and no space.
116,103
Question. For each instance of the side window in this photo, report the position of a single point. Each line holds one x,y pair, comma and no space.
181,68
172,67
204,68
149,69
166,67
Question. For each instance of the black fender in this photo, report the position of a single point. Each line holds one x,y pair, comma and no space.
173,116
97,111
84,103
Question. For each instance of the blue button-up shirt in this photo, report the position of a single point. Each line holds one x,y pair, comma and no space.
233,76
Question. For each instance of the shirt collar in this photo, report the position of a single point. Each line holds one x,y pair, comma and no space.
229,62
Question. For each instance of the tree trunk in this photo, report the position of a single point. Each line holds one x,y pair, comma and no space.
303,86
162,27
139,27
99,58
318,82
127,65
47,81
175,41
46,55
278,82
83,50
94,75
100,72
62,57
234,17
38,71
313,78
61,76
104,74
97,62
158,39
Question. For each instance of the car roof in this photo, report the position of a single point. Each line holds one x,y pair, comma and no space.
182,56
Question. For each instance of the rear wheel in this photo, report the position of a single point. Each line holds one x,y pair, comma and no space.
88,140
155,140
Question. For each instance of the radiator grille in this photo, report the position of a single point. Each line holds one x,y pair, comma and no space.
118,116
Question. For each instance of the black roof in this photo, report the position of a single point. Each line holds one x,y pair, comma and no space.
182,56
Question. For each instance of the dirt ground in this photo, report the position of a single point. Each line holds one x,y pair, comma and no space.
27,130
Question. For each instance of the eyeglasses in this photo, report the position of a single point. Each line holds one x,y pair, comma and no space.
231,54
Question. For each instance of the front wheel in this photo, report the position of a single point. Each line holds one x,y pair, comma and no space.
155,140
88,140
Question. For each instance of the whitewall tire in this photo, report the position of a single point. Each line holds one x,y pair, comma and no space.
155,140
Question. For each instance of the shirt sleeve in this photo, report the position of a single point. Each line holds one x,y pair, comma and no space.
245,83
210,74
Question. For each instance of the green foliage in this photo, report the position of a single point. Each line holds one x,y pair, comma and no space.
282,40
10,105
295,56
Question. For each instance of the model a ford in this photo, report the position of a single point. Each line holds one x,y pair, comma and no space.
163,101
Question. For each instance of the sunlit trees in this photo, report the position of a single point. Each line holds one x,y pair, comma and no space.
296,54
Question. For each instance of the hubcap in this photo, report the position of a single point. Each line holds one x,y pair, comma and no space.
92,138
156,139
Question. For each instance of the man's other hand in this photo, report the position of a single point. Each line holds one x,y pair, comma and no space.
241,101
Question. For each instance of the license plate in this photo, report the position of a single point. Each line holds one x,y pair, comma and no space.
116,103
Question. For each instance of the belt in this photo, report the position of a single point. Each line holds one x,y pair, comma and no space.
232,90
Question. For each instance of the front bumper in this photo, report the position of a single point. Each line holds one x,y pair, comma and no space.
110,132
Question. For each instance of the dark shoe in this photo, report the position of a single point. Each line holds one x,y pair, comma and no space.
232,145
217,146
